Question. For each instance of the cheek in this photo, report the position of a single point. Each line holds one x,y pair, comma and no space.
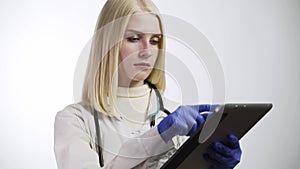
125,57
155,56
127,50
123,52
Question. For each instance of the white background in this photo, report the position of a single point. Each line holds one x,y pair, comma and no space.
257,41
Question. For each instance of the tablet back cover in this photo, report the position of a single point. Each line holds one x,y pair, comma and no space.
236,118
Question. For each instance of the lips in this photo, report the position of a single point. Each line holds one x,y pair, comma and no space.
142,64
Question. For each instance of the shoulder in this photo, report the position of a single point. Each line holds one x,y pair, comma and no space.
76,111
73,120
71,109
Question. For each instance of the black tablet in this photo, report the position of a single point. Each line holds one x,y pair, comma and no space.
236,118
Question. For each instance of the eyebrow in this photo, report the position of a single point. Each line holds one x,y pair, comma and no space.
139,32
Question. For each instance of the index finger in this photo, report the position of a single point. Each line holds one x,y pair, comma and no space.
204,107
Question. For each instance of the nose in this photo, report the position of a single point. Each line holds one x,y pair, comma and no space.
145,50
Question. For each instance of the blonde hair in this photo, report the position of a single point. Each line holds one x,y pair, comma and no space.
101,82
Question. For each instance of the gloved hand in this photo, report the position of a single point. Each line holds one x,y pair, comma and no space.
185,120
224,156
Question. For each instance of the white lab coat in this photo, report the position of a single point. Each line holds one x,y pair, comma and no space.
123,146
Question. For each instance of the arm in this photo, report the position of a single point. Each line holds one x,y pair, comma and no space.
74,145
137,150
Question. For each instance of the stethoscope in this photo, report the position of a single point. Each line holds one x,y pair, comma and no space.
152,122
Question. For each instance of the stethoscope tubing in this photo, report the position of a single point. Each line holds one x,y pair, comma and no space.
152,122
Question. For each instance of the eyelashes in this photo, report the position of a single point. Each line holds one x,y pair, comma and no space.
134,39
154,42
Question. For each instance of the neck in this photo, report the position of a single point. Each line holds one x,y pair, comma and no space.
132,83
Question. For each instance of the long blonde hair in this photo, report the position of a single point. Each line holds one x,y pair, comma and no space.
101,82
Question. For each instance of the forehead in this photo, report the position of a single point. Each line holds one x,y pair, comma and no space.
144,22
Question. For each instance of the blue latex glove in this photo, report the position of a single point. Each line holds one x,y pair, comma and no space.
185,120
224,156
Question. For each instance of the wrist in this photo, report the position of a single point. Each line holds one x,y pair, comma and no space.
166,133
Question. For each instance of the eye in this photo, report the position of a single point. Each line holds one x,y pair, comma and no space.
133,39
155,41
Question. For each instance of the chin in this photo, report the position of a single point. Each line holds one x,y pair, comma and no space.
141,76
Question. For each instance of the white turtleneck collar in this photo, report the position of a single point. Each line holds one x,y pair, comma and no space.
135,104
133,92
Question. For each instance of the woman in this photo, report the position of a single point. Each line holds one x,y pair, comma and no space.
120,122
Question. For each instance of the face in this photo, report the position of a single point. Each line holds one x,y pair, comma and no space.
139,49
